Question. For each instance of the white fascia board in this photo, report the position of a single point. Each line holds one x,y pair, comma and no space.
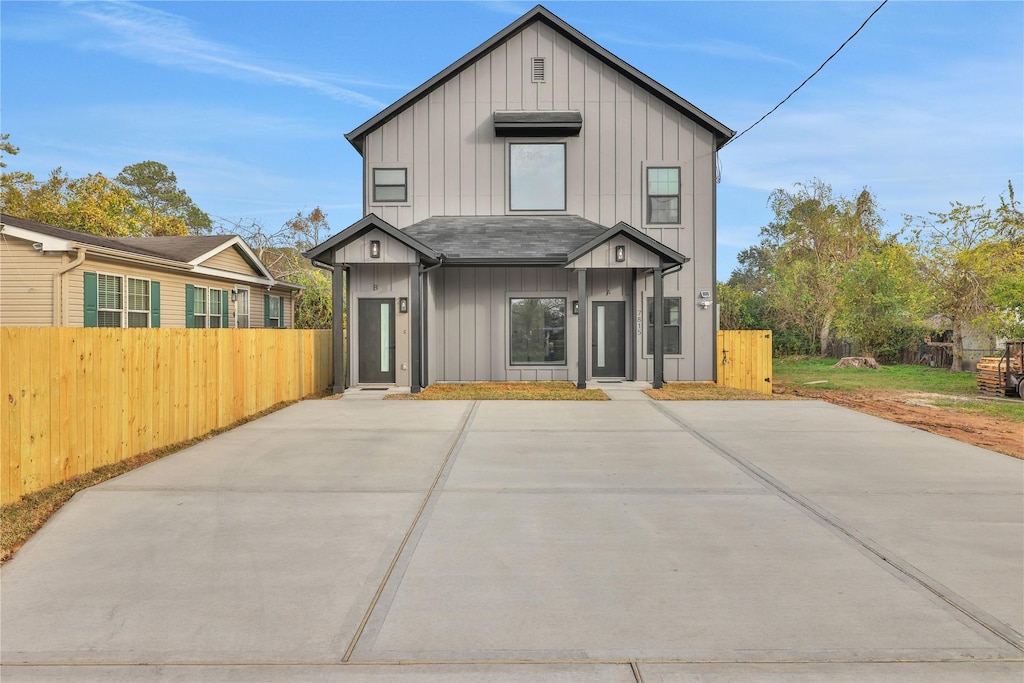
228,275
49,243
235,241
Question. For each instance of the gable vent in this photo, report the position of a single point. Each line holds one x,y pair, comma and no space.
537,69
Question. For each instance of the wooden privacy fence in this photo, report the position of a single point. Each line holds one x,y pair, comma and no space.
75,399
745,359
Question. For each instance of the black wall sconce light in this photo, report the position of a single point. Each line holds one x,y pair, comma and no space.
620,253
575,307
403,304
374,248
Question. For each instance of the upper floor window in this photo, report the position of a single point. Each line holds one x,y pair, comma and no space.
663,195
390,185
537,176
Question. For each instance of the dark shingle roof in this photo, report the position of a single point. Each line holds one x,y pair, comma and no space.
176,248
505,238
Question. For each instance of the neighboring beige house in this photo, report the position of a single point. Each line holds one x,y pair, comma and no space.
538,210
50,276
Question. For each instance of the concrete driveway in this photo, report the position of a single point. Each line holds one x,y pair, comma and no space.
353,540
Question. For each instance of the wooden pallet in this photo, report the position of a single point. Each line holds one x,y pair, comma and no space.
992,374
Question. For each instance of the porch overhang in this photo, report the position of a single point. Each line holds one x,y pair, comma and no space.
537,123
324,252
622,231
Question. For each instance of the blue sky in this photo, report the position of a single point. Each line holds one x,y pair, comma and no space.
248,102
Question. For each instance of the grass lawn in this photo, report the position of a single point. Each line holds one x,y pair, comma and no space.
811,374
700,391
803,371
503,391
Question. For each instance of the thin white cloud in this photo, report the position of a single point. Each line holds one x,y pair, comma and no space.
716,48
163,38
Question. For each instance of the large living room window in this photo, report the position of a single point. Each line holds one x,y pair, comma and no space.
537,331
536,176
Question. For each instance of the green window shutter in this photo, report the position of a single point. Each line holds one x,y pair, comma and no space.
190,306
224,309
266,310
154,303
91,300
280,311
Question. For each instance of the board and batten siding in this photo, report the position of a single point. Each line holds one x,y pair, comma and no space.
457,166
26,283
381,281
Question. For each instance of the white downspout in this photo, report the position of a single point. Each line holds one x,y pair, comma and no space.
58,307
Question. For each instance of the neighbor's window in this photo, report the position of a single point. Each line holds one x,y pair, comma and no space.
390,185
138,303
274,311
216,301
536,176
670,323
109,300
199,314
663,195
242,308
537,331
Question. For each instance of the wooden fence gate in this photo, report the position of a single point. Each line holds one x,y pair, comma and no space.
745,360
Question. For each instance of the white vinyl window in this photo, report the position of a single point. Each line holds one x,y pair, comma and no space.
200,313
110,300
274,311
242,308
139,304
216,301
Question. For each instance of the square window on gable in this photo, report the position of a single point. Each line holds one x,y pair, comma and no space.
663,195
390,185
536,176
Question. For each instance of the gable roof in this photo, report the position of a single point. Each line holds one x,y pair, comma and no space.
621,228
505,239
540,13
322,252
176,252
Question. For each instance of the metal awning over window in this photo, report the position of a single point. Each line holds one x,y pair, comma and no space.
537,123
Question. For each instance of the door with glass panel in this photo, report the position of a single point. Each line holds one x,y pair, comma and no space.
608,339
376,341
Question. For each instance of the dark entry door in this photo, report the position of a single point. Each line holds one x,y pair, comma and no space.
608,341
376,341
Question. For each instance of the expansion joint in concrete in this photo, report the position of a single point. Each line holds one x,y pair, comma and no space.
998,628
458,438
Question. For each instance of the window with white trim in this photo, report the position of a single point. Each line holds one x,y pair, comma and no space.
109,300
139,304
216,301
274,311
242,307
200,314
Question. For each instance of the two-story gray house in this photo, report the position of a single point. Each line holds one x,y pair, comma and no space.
539,210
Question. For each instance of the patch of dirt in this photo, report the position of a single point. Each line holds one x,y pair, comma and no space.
913,409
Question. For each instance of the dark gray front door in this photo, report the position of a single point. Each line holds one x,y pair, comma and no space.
376,341
608,341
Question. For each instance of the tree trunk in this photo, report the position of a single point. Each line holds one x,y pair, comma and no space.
958,347
823,333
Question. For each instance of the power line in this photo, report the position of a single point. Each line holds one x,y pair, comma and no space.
737,137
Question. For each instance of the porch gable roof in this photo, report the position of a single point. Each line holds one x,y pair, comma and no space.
668,256
322,252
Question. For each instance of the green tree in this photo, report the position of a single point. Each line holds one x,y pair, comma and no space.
6,148
804,254
881,301
970,259
155,186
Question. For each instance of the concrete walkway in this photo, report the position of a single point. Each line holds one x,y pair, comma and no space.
363,540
